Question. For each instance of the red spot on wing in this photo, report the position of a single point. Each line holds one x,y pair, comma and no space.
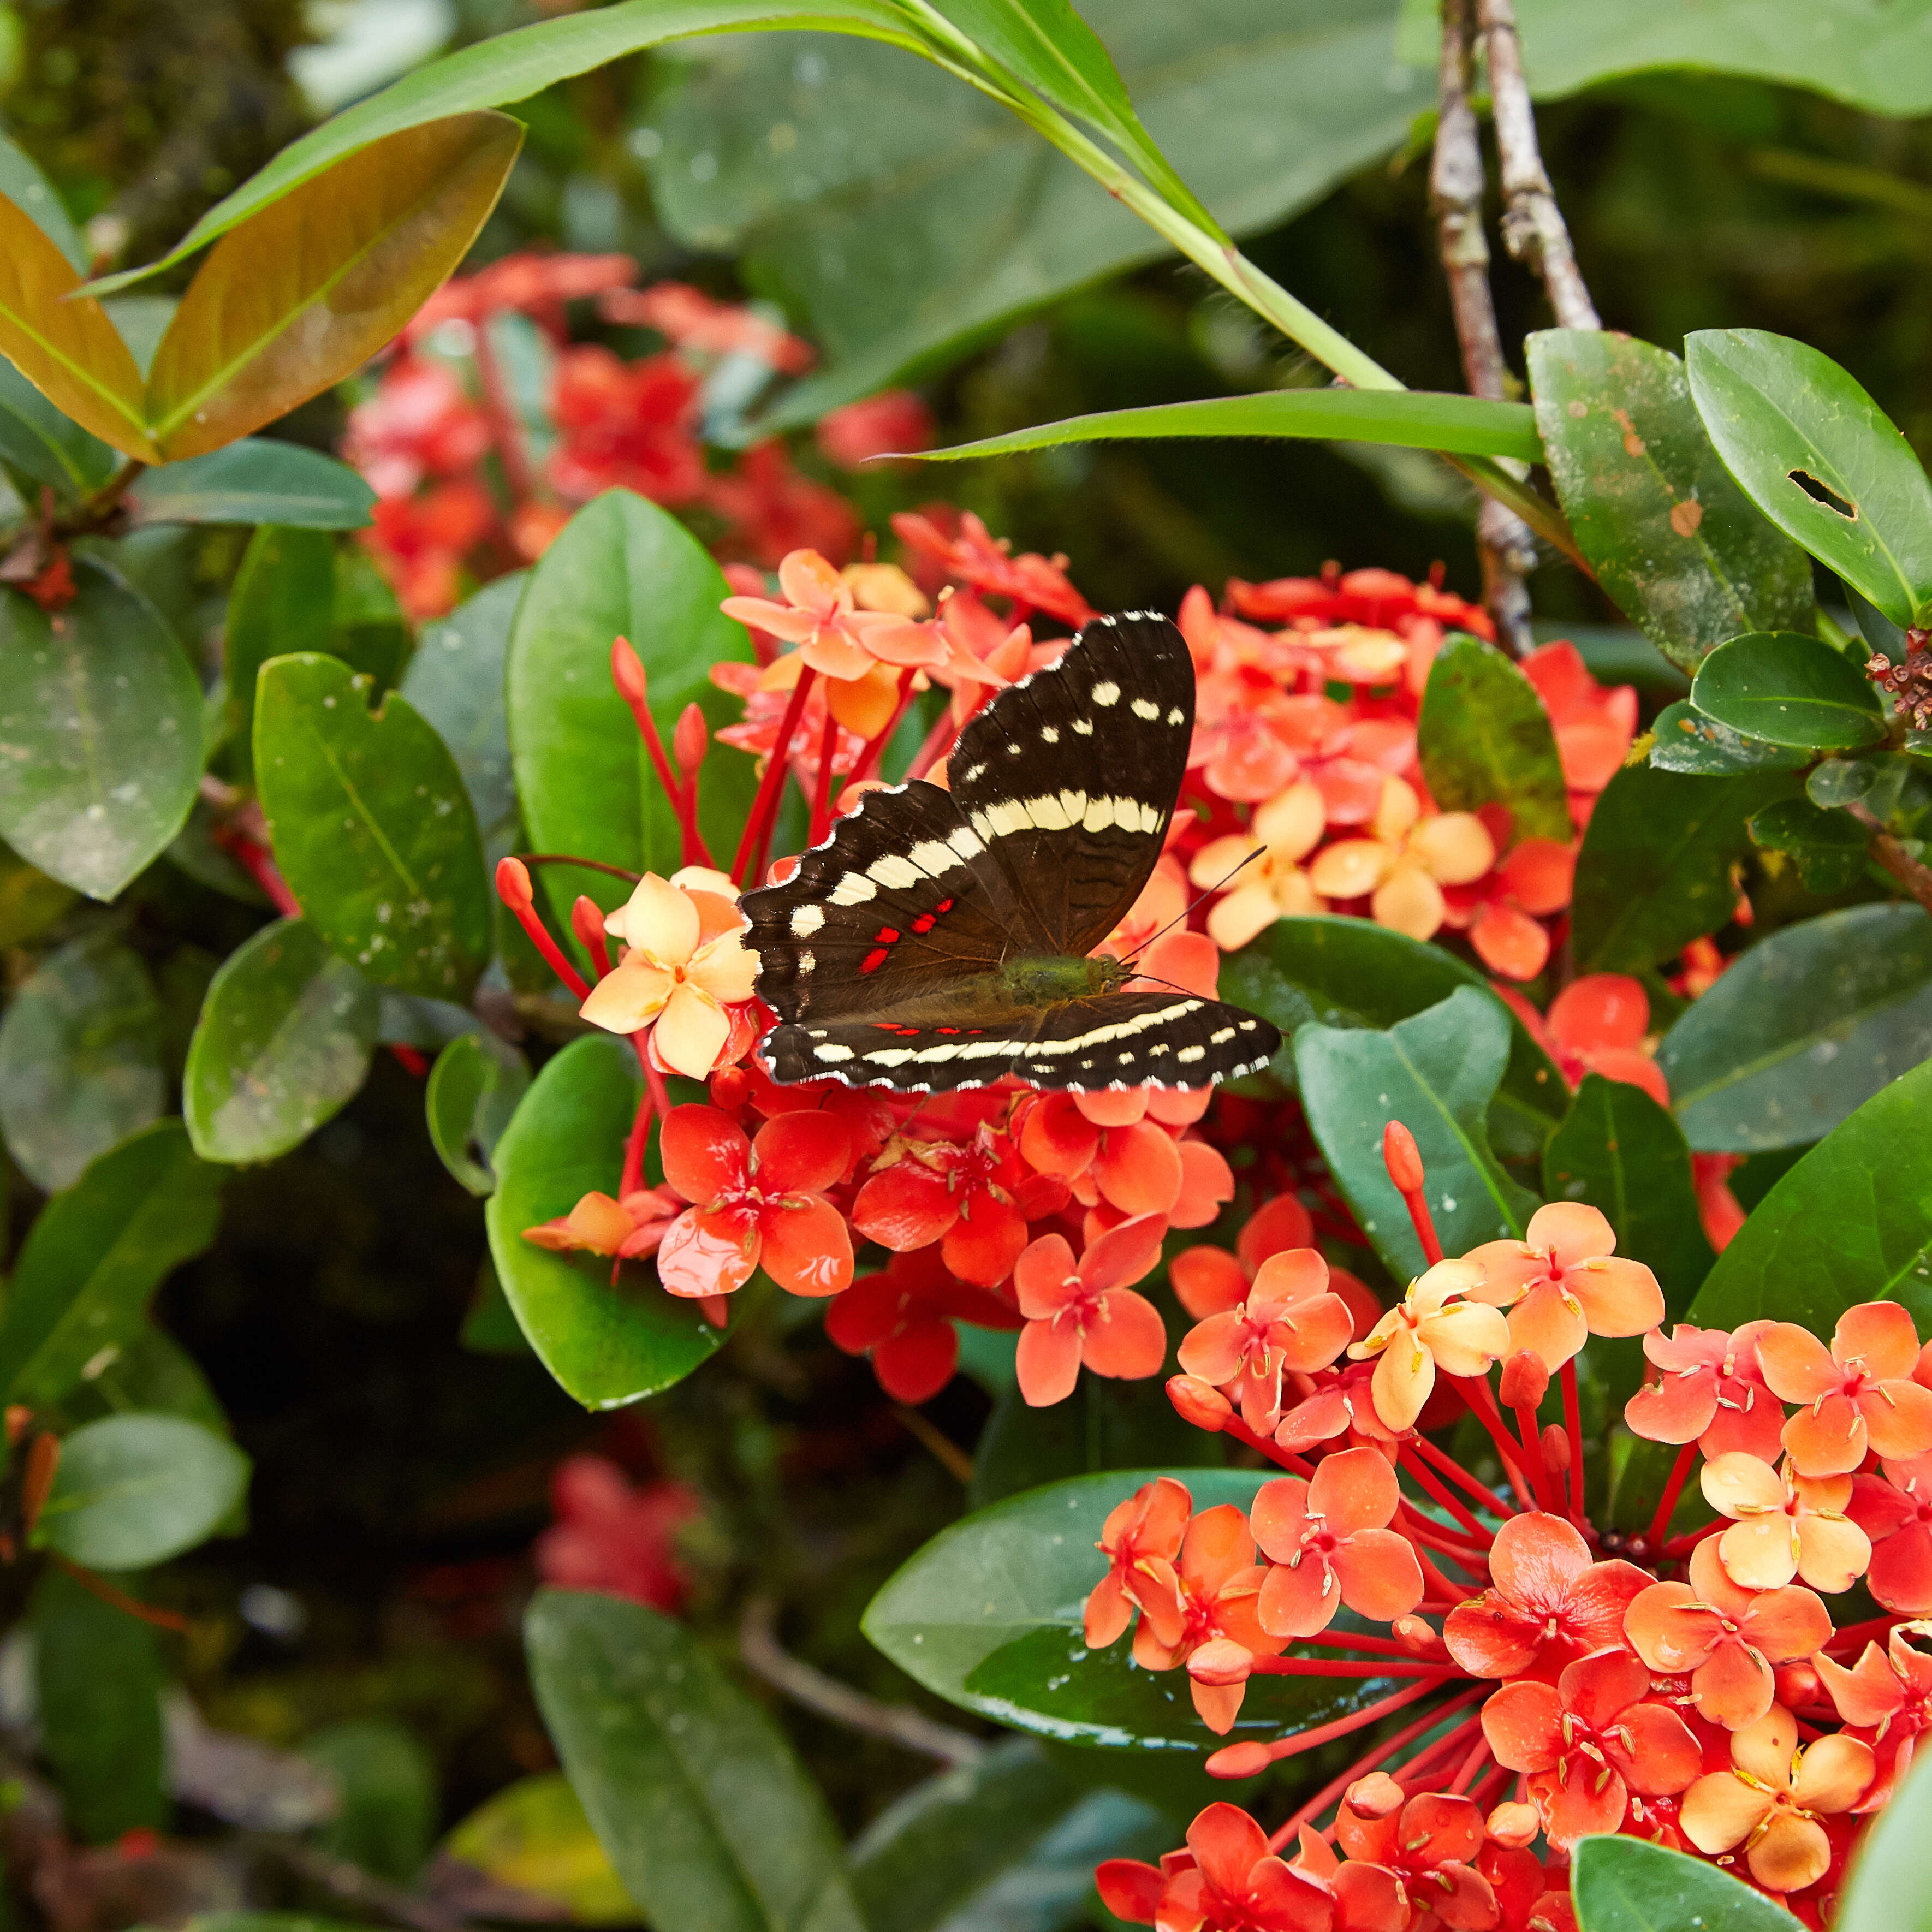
888,936
923,923
873,960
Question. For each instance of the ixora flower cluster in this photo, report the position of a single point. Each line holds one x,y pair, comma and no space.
1692,1690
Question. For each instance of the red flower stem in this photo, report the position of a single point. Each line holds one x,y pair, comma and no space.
1439,1585
1294,1745
506,431
1666,1506
1534,1459
1682,1546
1573,1425
1482,1402
1440,1492
627,674
634,1143
1282,1459
1375,1646
254,859
1371,1761
586,921
654,1082
821,801
1451,1542
1427,1765
1471,1765
765,805
1415,1201
1486,1793
1341,1666
539,937
875,745
1484,1495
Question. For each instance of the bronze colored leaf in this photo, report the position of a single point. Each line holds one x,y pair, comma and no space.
68,350
303,293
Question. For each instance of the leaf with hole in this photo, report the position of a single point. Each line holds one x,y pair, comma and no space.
133,1490
473,1090
1484,738
1784,687
1821,460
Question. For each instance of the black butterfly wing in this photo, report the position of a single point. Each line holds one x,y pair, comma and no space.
1069,777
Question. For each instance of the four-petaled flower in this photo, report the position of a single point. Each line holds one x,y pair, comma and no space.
1402,869
1710,1390
1589,1740
971,1197
1329,1544
1290,1324
1563,1283
1895,1511
1228,1881
834,637
1088,1312
1140,1540
1407,1863
754,1201
903,1317
1858,1395
1434,1326
1885,1700
624,1229
1260,890
1784,1525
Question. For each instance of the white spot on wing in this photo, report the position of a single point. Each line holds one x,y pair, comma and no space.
854,889
805,920
1106,693
894,871
1050,734
831,1053
1142,707
1084,726
1176,716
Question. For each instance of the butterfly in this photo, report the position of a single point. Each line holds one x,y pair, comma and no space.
940,939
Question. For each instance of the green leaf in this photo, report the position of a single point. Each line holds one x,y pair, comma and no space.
1437,1074
155,1372
1685,740
621,567
692,1790
94,1256
97,1674
912,218
1654,872
1779,410
1006,1844
1352,973
608,1345
1670,538
1851,1222
1411,418
42,444
80,1058
389,1786
283,1044
455,680
23,184
1829,846
1484,738
255,481
506,67
100,713
372,828
533,1834
305,291
283,599
133,1490
1802,1029
1621,1152
989,1616
1887,1892
473,1090
1784,687
1630,1885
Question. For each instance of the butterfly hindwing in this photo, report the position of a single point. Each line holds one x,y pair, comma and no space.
1070,776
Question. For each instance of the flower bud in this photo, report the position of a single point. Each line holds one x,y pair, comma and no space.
1418,1636
1799,1686
1242,1760
1556,1448
19,1419
1401,1157
1377,1796
1221,1661
586,921
1525,1382
513,884
1199,1403
627,673
1514,1825
690,739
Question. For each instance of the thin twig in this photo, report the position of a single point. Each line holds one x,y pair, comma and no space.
898,1724
1533,225
1915,877
947,1452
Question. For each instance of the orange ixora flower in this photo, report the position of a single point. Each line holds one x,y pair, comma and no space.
1329,1544
1770,1801
1563,1283
684,964
1434,1326
1140,1540
821,616
1289,1323
1284,831
1402,867
1859,1394
1784,1525
1088,1312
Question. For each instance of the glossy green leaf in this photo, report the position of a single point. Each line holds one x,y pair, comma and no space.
987,1615
63,343
1784,688
1685,740
255,481
1851,1222
80,1058
1411,418
152,1371
1630,1885
505,68
1778,410
283,599
94,1256
1654,872
1352,973
23,184
1484,738
1887,1892
623,567
533,1834
1621,1152
1669,536
1830,847
1437,1073
693,1792
455,680
41,445
372,828
98,1679
388,1783
608,1345
1802,1029
1006,1844
133,1490
473,1090
283,1044
100,715
307,289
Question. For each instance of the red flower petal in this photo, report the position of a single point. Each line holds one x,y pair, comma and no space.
914,1365
1129,1340
801,1153
904,1206
705,1255
983,1245
705,1153
808,1249
1047,1362
1138,1168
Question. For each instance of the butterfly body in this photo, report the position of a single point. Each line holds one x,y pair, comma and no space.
940,939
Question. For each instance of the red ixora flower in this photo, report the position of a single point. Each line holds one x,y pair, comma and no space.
1141,1539
1407,1862
1858,1395
1088,1313
1710,1390
1289,1324
904,1317
1228,1881
609,1537
1885,1699
1329,1544
754,1201
1895,1509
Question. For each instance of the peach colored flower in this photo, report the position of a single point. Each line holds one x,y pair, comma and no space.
1858,1395
1285,830
1402,867
821,616
684,963
1770,1800
1434,1326
1288,1324
1784,1525
599,1225
1329,1543
1562,1283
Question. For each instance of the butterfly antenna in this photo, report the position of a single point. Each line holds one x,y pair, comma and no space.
1180,917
